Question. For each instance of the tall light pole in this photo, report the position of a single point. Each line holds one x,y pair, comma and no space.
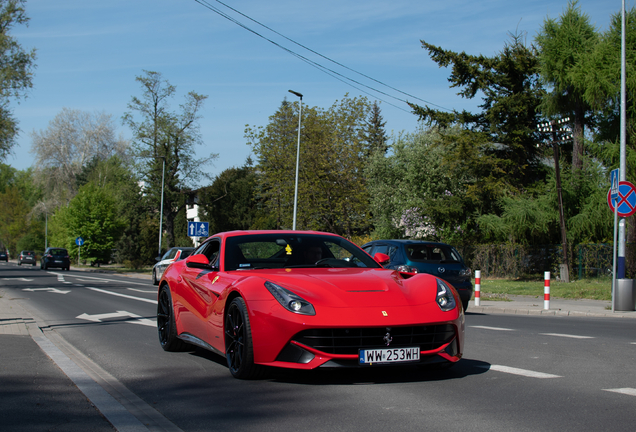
163,176
300,113
620,271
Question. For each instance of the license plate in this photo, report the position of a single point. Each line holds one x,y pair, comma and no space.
389,355
58,261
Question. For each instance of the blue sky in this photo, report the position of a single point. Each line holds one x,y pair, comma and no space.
89,54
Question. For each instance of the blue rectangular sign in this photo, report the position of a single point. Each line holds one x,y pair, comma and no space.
614,182
198,229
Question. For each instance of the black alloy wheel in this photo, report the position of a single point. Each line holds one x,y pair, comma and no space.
166,326
238,342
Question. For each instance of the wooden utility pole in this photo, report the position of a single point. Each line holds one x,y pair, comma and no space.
565,134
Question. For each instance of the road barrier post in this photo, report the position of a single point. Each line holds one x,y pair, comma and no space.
546,291
477,287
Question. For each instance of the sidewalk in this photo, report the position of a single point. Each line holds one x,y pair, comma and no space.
530,305
36,394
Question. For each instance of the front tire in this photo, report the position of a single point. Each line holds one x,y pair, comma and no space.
166,325
239,350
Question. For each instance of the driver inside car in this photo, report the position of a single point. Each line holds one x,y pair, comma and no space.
312,254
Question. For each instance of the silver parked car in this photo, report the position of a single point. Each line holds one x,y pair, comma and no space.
26,257
173,254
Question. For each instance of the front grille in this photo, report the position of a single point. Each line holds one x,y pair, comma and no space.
350,340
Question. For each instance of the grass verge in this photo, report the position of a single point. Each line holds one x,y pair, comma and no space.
593,289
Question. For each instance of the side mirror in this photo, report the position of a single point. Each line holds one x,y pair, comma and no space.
199,261
381,258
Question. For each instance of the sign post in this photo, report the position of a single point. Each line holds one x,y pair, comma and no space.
622,201
614,180
79,242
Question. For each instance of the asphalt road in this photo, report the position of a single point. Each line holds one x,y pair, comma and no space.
522,373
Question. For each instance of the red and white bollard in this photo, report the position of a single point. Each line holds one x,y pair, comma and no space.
546,291
477,287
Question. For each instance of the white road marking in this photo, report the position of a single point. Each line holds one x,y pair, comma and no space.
53,290
567,335
122,295
143,291
20,279
137,319
522,372
492,328
101,279
625,391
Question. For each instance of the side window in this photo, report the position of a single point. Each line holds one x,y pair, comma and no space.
381,249
211,250
392,251
367,249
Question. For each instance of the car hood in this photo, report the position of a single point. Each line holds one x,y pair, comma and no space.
354,287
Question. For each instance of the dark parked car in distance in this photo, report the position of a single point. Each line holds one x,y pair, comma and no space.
26,257
55,257
4,256
416,256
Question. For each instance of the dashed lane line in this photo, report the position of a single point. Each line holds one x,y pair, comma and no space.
493,328
100,279
625,391
521,372
122,295
567,335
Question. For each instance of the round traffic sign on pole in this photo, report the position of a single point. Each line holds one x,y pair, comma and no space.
79,241
626,200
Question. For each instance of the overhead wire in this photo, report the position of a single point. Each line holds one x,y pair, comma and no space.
324,69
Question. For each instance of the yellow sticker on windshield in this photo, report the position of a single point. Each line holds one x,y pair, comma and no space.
288,250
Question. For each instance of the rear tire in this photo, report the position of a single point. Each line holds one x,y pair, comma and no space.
239,350
166,325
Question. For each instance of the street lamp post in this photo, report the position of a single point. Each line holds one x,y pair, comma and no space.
300,113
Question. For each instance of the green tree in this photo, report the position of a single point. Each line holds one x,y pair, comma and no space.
375,135
496,146
16,68
14,221
159,135
565,46
416,194
93,215
230,202
332,193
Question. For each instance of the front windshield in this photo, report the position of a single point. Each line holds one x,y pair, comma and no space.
289,250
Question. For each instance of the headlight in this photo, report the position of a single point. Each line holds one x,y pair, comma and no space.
445,298
406,269
465,272
289,300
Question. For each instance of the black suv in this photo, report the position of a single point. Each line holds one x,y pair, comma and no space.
26,257
55,257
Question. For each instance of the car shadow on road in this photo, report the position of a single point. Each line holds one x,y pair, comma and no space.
363,375
379,375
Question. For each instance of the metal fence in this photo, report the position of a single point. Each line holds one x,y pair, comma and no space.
516,261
